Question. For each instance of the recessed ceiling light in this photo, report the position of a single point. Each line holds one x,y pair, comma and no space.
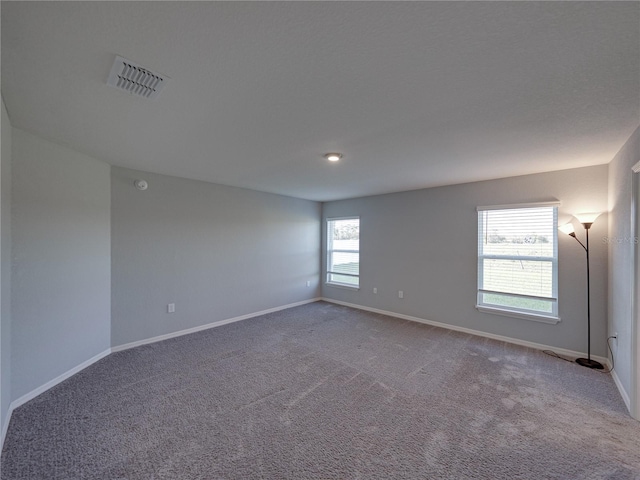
333,157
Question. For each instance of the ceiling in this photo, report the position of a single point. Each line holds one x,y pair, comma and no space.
414,94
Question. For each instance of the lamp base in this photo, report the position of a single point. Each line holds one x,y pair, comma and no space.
587,362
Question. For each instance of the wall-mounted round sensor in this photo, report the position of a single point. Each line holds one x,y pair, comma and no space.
141,184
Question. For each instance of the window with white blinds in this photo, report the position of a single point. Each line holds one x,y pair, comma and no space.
518,259
343,251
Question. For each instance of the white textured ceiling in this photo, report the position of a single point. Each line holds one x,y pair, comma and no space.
415,94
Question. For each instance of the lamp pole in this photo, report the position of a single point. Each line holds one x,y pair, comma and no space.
588,298
587,362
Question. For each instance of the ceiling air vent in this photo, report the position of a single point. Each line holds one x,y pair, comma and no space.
135,79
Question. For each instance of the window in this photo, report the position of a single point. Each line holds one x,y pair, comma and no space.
343,251
518,261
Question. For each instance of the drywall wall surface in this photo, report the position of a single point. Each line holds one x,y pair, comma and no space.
5,269
424,242
621,244
216,252
61,260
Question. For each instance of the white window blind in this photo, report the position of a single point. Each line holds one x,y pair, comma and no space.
343,251
518,258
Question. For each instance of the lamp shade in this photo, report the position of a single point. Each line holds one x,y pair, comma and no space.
587,217
568,228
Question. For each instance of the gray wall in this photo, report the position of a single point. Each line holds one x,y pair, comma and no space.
217,252
61,260
424,242
621,255
5,270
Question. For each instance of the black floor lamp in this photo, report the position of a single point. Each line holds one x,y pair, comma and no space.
586,219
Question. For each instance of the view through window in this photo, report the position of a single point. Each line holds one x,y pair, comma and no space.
343,251
518,258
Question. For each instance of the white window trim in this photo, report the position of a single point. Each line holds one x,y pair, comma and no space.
329,272
536,317
341,285
518,205
552,318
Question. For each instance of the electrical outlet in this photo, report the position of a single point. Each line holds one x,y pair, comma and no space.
400,294
308,283
615,335
375,290
171,308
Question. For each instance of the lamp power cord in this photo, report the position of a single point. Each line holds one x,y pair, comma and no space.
551,353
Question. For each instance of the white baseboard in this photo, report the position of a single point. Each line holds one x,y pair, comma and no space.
623,392
60,378
516,341
5,427
219,323
43,388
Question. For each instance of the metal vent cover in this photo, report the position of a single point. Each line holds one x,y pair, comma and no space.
135,79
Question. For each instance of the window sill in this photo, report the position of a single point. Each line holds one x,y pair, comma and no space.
550,319
342,285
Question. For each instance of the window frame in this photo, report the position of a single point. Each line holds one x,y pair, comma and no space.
552,317
329,253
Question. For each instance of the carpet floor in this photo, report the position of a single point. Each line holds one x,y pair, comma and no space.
323,391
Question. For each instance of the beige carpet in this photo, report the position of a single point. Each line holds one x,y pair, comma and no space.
326,392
